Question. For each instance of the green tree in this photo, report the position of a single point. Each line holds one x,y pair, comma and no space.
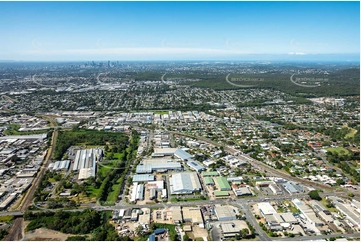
314,195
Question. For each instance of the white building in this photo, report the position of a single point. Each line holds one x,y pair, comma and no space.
184,183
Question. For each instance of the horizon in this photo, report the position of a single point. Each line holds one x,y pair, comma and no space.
180,31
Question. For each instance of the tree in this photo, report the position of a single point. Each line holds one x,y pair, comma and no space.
340,181
139,230
185,237
314,195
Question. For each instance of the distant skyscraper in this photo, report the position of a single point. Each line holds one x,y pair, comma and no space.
108,64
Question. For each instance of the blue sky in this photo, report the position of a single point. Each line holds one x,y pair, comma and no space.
53,31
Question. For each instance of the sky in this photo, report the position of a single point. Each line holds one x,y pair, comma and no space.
78,31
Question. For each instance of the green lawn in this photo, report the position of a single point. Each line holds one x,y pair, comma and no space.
339,150
118,156
113,195
293,209
280,210
6,218
351,134
324,203
92,191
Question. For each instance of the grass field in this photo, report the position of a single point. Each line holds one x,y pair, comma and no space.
340,151
112,197
6,218
324,203
351,134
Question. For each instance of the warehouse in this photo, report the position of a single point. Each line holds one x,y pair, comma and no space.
221,193
231,229
140,192
222,184
181,154
235,179
6,202
266,208
161,152
307,212
164,193
177,214
142,178
61,165
290,188
209,173
154,167
195,165
157,185
288,218
85,162
225,213
241,191
152,194
184,183
137,192
208,181
193,215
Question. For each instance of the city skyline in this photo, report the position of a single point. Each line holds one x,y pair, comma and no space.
78,31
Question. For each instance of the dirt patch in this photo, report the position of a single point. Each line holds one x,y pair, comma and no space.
46,235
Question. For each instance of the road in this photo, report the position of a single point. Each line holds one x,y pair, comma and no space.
162,78
318,237
15,232
252,220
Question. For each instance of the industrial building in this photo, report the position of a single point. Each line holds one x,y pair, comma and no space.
137,192
271,185
60,165
266,208
195,165
177,214
209,173
184,183
290,188
241,190
307,212
143,178
164,193
348,210
208,181
321,211
152,194
158,167
7,201
231,229
157,185
222,184
193,215
161,152
183,155
225,213
85,162
221,193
